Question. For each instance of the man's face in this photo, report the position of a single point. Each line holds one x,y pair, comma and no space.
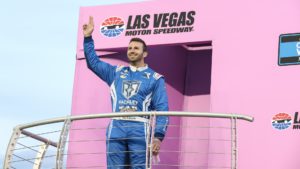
135,51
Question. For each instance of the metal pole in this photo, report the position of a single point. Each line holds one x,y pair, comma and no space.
11,147
40,156
62,143
39,138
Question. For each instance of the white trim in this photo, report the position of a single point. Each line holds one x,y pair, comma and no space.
119,67
145,131
166,124
132,118
113,96
108,134
146,142
146,102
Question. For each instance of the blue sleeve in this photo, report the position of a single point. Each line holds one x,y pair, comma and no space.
160,103
102,69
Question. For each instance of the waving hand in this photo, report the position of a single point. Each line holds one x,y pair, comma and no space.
88,28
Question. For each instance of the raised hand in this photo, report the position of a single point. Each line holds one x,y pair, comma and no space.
88,28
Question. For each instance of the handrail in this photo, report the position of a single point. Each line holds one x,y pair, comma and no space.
20,129
119,114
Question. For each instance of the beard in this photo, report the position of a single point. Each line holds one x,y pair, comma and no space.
133,57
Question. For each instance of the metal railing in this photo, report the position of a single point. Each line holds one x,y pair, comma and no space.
58,144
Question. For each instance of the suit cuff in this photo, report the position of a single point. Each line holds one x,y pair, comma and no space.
159,136
88,39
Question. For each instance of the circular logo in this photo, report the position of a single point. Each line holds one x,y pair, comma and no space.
281,121
112,27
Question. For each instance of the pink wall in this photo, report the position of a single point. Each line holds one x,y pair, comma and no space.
245,76
247,80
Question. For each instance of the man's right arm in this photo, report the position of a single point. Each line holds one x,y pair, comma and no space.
102,69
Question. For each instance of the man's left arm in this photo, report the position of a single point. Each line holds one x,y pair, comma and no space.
160,103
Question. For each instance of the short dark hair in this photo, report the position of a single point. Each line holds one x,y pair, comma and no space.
141,41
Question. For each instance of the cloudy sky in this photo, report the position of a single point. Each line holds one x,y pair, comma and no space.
37,52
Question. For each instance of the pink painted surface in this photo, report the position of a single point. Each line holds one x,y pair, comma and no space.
194,133
245,78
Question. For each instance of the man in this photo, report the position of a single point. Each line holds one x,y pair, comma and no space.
133,88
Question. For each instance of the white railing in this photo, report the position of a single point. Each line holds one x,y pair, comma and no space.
55,141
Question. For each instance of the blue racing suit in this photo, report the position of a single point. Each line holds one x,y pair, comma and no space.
132,89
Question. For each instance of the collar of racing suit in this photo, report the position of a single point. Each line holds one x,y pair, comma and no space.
134,69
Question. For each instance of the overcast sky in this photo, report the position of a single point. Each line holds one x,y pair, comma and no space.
37,52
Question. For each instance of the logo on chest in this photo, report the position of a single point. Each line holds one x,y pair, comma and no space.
130,88
124,74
